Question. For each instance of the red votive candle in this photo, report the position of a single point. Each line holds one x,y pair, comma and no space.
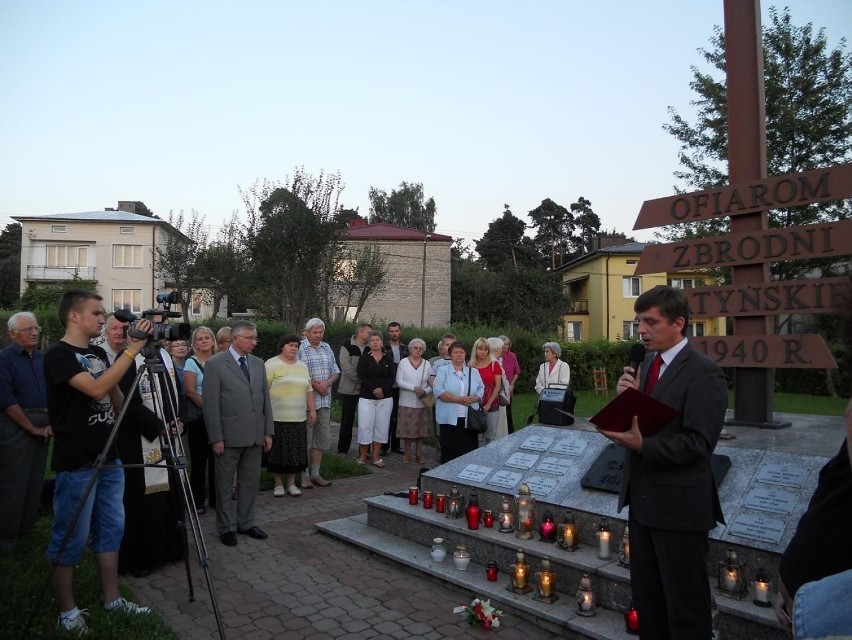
488,518
413,495
427,499
441,504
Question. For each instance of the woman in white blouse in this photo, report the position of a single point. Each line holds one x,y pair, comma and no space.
553,371
412,378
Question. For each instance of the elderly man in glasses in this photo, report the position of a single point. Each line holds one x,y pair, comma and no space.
24,429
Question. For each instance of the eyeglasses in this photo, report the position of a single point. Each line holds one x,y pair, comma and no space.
249,338
33,329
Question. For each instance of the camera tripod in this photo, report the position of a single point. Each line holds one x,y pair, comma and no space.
174,460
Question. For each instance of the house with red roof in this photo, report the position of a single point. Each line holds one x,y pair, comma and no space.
417,286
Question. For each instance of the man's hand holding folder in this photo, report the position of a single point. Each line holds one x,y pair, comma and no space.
631,416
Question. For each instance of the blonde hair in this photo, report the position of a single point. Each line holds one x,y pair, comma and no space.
208,331
480,342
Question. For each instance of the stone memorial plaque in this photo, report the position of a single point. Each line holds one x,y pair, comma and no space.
788,475
537,443
557,466
757,527
772,499
475,473
570,446
522,460
541,486
505,479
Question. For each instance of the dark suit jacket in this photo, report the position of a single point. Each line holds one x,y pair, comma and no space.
234,410
669,485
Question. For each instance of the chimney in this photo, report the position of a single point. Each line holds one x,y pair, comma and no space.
127,205
354,223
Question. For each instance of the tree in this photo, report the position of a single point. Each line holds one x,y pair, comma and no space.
362,272
222,267
404,207
808,90
10,265
294,244
175,261
504,244
142,210
554,227
587,225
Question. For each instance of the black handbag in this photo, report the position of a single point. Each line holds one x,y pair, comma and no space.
477,417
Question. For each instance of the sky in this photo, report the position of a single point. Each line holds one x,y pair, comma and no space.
181,104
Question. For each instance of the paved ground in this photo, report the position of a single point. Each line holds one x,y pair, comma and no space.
300,584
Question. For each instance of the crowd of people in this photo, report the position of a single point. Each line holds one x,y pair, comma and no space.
209,398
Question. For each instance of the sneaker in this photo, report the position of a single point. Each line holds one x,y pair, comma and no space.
120,604
279,491
293,490
75,623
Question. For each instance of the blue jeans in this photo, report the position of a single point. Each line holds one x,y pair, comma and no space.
102,515
818,610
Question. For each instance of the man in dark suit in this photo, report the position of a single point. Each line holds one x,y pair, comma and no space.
238,416
668,481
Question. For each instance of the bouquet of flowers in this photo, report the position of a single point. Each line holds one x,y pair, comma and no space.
480,612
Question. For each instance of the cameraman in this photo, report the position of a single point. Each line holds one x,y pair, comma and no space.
83,399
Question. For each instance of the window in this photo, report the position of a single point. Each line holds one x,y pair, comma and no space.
683,283
58,228
632,286
344,314
127,255
630,330
67,255
696,329
574,331
128,231
127,299
632,262
195,307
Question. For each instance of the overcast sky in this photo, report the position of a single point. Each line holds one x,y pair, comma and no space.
179,104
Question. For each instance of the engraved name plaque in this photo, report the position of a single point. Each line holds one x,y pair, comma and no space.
522,460
757,527
475,473
537,443
788,475
556,466
570,446
541,486
505,479
772,499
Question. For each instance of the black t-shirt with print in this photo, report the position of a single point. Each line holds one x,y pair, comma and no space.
81,425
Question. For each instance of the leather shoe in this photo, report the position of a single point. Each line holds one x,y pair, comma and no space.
319,481
229,539
398,450
253,532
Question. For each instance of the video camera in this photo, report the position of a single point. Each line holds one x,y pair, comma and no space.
159,330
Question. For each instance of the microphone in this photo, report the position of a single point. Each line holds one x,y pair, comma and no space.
637,356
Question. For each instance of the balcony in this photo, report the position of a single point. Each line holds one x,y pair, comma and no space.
578,306
43,273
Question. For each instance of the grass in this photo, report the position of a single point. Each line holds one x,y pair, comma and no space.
333,467
25,592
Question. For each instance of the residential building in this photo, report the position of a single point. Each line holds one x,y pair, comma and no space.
602,289
113,248
418,275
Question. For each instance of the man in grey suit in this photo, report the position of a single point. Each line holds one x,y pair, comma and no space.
238,416
668,481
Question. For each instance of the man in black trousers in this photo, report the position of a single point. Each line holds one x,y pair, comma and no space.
668,481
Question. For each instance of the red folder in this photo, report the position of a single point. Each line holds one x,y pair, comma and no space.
618,414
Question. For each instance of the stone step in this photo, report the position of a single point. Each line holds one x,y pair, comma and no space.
559,617
393,523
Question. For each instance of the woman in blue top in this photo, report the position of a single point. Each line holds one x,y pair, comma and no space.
456,388
203,347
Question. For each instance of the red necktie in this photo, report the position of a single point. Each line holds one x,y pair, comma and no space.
653,374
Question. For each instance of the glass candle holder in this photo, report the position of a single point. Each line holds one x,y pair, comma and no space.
428,500
413,495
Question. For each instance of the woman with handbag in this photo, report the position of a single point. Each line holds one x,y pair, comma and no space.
458,393
553,372
415,400
203,347
485,362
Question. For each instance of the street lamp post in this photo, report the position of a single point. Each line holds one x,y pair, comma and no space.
423,284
